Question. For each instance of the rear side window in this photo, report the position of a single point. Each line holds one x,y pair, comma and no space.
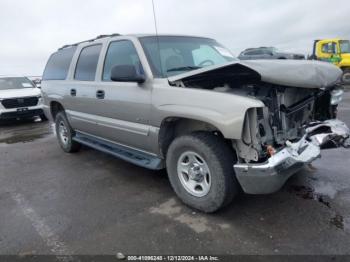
254,52
58,65
87,63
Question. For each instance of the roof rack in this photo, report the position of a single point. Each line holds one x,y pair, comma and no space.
90,40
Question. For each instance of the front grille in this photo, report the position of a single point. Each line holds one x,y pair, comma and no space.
20,102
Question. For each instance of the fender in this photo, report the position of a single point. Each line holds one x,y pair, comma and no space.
225,111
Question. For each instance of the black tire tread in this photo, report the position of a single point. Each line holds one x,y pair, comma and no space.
73,146
223,158
346,71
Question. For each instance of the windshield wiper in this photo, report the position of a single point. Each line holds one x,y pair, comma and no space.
183,68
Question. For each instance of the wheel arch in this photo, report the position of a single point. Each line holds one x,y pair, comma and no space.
172,127
55,108
343,68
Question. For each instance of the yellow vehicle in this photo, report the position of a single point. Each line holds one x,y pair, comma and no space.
336,51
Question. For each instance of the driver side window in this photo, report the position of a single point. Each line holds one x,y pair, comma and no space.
329,48
121,52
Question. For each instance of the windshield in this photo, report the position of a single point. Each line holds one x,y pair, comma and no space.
15,83
179,54
344,46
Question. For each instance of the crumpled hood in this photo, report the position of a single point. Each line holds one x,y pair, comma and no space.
22,92
294,73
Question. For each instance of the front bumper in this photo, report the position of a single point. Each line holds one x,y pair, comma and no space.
270,176
13,113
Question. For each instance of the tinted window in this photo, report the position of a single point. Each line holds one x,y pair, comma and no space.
120,53
87,63
266,52
254,52
58,65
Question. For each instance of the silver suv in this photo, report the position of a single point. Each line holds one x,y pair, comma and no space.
267,53
185,104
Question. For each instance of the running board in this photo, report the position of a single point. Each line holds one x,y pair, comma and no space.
133,156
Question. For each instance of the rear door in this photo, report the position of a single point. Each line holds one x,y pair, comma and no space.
123,113
82,90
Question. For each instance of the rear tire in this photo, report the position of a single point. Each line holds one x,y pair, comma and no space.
65,134
200,170
346,77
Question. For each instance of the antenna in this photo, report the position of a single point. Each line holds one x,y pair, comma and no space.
157,37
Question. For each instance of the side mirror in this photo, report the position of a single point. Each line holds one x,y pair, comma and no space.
126,73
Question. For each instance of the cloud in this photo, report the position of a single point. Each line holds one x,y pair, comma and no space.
32,30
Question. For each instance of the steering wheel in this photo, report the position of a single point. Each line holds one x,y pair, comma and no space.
206,61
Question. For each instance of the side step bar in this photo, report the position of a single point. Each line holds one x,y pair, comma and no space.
133,156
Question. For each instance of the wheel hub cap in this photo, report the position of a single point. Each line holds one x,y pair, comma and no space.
194,174
63,133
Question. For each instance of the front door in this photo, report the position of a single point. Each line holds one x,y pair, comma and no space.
330,53
123,113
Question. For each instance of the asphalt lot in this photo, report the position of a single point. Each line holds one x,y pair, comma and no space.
92,203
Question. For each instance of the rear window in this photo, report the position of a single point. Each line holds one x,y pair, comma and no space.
15,83
58,65
87,63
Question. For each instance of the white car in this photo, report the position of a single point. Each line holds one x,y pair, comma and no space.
19,98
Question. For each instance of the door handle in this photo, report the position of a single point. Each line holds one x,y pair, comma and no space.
73,92
100,94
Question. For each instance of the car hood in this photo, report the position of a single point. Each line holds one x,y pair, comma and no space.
294,73
22,92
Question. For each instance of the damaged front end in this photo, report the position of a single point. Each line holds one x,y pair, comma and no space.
288,133
329,134
298,120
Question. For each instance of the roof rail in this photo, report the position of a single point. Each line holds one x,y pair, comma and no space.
90,40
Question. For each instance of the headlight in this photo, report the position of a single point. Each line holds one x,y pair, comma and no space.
336,96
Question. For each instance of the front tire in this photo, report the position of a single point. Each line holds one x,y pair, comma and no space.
346,77
200,170
65,134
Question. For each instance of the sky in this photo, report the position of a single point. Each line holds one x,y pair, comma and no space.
30,30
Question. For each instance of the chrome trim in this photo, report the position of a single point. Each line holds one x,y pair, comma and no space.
268,177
